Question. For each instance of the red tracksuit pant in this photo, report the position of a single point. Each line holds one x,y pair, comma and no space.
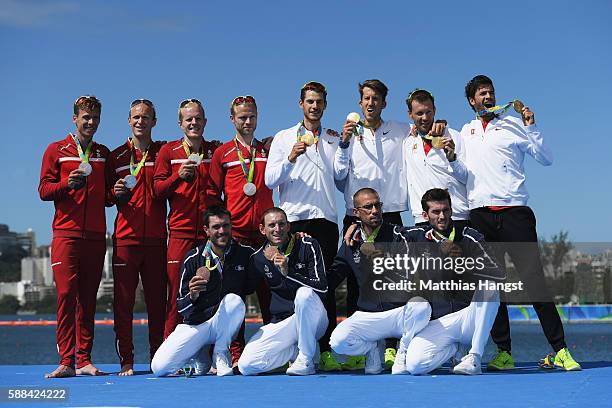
177,250
128,263
77,269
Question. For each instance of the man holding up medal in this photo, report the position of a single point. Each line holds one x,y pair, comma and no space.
139,241
215,278
237,173
428,152
73,177
181,177
301,166
492,167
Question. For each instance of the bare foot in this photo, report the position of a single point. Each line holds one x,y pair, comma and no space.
89,369
61,371
126,369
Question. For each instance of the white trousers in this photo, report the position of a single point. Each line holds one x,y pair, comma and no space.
187,340
359,333
276,343
441,338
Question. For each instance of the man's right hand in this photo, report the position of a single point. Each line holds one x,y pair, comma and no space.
348,130
76,179
120,190
187,171
197,284
298,149
348,236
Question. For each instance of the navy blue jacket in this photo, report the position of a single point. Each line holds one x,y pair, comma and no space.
306,268
235,277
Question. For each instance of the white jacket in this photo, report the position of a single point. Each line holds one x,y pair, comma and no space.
492,161
433,171
375,161
306,188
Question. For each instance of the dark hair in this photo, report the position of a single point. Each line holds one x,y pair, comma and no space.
376,85
365,190
88,103
216,211
435,194
473,84
313,86
419,95
271,211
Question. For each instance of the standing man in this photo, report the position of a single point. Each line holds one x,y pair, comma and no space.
215,278
427,165
370,156
293,268
181,176
237,176
139,241
495,148
73,177
363,333
301,166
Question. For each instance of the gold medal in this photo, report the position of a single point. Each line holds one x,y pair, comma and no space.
353,117
437,142
308,138
518,106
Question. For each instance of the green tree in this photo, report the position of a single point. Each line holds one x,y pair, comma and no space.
9,304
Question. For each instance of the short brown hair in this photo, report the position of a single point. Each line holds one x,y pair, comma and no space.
88,103
271,211
313,86
435,194
419,95
376,85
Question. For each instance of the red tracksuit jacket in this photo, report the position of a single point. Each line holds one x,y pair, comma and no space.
187,200
142,220
78,213
227,178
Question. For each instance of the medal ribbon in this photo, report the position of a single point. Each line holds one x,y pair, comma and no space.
187,149
207,254
373,235
498,110
134,171
84,156
287,251
450,238
247,170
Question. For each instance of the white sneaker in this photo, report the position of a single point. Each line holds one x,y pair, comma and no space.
301,366
373,358
469,365
462,351
399,365
223,362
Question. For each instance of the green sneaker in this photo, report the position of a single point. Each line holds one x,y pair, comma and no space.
389,358
327,362
564,360
354,363
502,361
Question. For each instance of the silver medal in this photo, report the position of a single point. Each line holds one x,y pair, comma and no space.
130,181
194,157
86,168
249,189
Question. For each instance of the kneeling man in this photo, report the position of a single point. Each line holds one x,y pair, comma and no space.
295,272
378,318
215,277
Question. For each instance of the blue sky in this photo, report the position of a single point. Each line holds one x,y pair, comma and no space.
555,56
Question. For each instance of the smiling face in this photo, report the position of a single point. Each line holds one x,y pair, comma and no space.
313,106
86,123
438,214
422,115
142,120
483,98
192,120
244,118
275,228
219,230
372,105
